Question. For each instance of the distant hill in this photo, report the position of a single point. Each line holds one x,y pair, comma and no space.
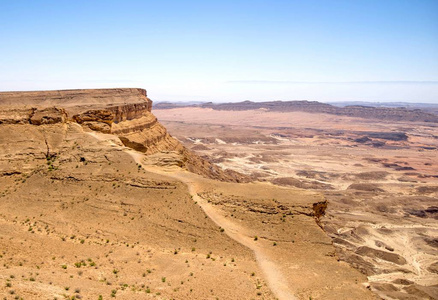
428,107
396,113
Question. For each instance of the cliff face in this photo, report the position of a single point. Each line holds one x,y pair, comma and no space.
76,99
125,113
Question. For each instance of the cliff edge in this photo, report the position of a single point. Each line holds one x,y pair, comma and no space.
125,113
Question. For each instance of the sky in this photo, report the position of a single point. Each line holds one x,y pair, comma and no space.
331,50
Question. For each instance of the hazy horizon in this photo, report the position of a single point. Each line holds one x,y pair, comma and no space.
352,102
373,51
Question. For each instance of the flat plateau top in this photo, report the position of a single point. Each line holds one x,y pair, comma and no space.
68,98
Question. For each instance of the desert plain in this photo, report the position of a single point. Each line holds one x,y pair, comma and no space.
378,174
99,200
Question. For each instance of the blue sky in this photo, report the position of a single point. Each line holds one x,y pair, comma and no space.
329,50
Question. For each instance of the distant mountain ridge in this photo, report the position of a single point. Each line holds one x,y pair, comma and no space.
359,111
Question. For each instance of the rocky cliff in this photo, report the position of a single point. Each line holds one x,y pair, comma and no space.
125,113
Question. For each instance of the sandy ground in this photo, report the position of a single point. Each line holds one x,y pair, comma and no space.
382,190
87,220
90,222
269,267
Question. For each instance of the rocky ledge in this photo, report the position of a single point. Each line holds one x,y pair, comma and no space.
125,113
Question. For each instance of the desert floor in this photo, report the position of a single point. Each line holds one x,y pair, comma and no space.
97,221
380,179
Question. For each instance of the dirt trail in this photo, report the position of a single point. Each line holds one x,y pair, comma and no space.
276,281
271,271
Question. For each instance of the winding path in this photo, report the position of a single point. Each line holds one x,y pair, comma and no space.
271,270
276,281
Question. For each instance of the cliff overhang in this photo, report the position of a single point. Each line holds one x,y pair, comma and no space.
125,113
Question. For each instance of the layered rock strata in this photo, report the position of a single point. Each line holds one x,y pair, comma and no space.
125,113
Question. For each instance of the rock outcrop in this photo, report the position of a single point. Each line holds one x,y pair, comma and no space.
125,113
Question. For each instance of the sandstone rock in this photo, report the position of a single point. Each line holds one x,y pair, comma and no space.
343,242
402,281
384,287
427,189
376,175
358,262
122,112
165,159
381,244
15,115
98,126
304,184
433,268
374,253
368,187
50,115
424,292
97,115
